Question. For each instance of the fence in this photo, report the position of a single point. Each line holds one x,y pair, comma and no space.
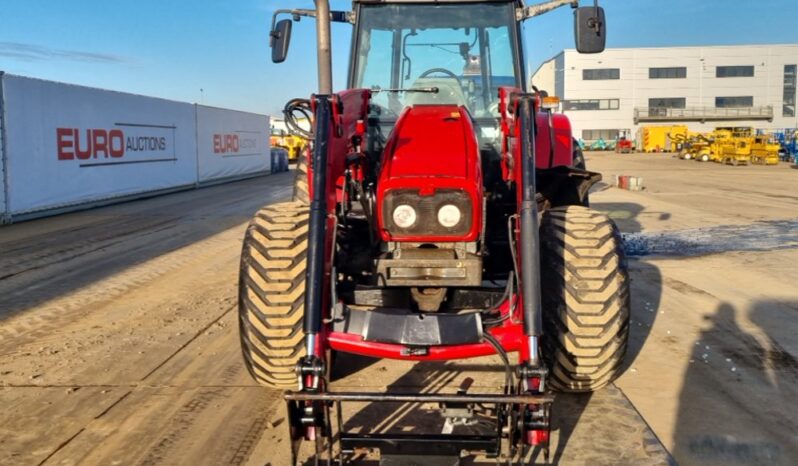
65,147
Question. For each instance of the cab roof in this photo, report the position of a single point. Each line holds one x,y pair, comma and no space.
520,3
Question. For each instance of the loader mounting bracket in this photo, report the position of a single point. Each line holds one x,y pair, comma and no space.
438,449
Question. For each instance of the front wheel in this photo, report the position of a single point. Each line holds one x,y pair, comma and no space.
301,187
585,297
271,293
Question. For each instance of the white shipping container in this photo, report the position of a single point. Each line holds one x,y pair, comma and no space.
231,144
67,145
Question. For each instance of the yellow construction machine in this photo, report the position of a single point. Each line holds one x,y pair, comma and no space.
733,145
765,150
730,145
696,146
290,142
661,138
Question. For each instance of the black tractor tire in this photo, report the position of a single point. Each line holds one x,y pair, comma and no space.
301,191
579,157
585,298
579,163
271,293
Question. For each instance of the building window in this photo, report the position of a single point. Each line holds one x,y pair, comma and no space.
667,102
667,73
601,73
596,134
734,71
789,91
727,102
591,104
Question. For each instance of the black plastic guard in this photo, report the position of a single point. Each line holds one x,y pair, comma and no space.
565,185
404,327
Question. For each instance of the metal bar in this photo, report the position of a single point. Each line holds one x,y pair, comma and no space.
427,444
528,220
545,7
324,54
314,279
419,398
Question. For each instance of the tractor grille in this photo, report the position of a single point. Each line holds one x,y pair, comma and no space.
427,212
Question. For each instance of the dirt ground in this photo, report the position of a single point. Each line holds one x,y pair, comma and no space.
118,334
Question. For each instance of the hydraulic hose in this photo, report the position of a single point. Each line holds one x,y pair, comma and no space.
293,111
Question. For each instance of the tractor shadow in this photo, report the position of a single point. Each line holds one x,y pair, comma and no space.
749,417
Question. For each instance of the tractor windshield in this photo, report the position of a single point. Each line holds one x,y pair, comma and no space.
446,54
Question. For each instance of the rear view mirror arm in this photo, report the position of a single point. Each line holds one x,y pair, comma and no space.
542,8
298,13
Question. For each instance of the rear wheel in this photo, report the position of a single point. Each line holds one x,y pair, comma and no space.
586,296
272,293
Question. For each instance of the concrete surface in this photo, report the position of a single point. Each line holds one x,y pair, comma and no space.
118,335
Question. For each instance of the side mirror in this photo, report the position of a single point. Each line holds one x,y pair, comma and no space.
280,39
590,29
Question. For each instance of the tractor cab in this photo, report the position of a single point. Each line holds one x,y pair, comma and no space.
454,56
436,54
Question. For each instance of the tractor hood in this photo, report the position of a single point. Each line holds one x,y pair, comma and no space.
431,159
432,141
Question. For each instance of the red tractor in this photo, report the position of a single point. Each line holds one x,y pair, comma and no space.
439,216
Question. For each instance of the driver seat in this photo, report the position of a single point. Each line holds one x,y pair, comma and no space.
449,92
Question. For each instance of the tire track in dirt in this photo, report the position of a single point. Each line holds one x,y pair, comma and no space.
179,426
249,440
37,256
68,286
27,327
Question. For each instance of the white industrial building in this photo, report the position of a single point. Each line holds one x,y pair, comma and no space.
622,89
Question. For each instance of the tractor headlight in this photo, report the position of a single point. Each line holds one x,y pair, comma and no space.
447,212
449,216
404,216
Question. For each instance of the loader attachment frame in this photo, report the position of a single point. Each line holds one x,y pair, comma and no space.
431,449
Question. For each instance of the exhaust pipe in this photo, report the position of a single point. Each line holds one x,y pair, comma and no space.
323,47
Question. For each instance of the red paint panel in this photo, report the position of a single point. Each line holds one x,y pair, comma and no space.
431,140
511,146
510,337
563,141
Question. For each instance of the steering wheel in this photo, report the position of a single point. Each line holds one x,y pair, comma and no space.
442,71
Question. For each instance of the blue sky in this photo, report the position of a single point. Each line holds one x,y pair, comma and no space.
172,49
